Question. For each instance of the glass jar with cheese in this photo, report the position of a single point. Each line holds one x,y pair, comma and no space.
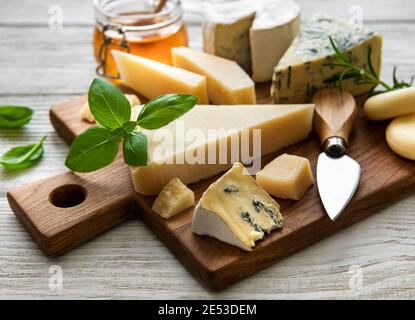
137,27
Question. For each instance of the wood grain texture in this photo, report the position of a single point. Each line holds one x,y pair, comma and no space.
218,265
129,261
335,114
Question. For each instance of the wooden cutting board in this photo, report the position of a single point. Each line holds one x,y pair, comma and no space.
63,211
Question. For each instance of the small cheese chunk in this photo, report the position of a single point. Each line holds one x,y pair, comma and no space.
87,115
287,177
205,128
152,79
174,198
227,82
236,210
276,24
303,69
226,31
400,136
391,104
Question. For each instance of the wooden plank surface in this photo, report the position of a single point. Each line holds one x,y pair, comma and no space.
130,262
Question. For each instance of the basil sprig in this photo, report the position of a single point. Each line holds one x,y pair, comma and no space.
98,146
14,116
23,156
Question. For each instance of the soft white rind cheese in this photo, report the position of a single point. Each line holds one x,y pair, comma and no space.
255,34
208,223
276,25
236,210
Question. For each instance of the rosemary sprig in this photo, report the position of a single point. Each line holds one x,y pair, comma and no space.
366,75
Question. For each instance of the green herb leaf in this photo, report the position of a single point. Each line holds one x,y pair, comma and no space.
366,75
14,116
93,149
164,109
129,126
370,64
135,149
23,156
108,105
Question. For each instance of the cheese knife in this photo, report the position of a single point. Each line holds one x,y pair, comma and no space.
338,175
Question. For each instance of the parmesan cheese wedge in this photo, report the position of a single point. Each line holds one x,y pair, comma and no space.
227,82
207,127
152,79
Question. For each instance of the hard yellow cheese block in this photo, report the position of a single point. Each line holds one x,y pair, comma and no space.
400,136
236,210
391,104
174,198
286,177
152,79
227,82
207,127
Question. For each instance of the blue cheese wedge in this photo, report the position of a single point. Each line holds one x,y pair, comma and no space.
226,31
302,71
236,210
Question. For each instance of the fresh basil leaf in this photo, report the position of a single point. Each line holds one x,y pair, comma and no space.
23,156
129,126
135,148
108,105
164,109
93,149
117,134
14,116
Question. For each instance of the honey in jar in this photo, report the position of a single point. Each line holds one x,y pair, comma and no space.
133,26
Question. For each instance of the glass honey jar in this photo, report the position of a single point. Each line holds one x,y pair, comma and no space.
134,26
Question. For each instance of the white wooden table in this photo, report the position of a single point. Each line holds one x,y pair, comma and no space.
40,66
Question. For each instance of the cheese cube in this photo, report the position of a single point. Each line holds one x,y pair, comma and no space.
303,69
287,177
152,79
173,199
227,82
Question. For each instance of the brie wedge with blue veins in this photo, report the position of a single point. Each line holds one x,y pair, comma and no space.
236,210
305,67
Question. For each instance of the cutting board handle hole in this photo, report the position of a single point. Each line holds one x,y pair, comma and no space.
67,196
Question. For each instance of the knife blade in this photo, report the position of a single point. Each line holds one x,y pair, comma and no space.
338,175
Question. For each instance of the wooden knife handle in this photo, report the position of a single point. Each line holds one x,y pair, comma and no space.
335,114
